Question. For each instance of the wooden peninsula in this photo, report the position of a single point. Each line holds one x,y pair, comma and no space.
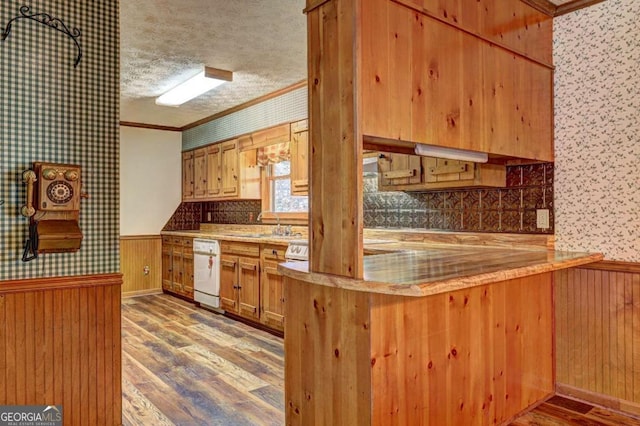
434,334
430,334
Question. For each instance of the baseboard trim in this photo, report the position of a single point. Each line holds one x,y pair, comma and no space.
146,292
628,408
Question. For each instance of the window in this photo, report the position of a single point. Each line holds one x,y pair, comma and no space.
276,197
279,187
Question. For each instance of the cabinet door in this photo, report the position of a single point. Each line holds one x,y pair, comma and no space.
167,269
399,169
300,163
229,168
214,175
229,283
200,173
187,176
271,295
177,266
187,269
249,287
444,170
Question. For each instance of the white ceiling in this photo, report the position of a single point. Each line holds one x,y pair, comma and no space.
163,42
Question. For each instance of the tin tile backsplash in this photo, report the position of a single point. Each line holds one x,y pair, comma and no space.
188,216
511,209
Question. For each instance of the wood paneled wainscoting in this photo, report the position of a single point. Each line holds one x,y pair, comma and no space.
60,345
136,253
598,334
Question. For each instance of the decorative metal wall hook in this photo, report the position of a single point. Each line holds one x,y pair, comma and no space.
49,21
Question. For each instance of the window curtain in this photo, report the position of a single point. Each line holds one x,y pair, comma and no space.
272,154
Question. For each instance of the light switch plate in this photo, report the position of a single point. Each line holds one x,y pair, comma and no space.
542,218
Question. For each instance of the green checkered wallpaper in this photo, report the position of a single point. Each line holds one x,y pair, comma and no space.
51,111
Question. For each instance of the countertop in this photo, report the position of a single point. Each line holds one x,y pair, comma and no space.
424,269
420,263
261,236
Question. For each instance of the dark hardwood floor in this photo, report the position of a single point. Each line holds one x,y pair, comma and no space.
187,366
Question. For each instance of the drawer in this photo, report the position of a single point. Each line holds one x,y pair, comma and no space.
274,252
242,249
167,240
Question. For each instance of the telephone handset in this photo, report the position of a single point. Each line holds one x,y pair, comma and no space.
53,204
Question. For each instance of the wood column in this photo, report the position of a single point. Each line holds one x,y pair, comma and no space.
336,138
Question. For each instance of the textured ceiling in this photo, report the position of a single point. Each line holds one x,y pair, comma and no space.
163,42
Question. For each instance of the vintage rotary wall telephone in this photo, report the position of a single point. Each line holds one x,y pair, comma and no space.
53,206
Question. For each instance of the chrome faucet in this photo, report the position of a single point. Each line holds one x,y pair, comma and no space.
277,230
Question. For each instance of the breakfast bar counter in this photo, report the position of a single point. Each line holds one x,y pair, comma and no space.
422,269
433,334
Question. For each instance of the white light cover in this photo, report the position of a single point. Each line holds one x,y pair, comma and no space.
451,153
195,86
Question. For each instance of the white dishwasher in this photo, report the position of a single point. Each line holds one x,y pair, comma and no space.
206,272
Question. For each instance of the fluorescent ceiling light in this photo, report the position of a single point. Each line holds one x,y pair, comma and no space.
451,153
195,86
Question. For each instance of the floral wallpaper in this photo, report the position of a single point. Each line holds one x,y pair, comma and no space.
597,119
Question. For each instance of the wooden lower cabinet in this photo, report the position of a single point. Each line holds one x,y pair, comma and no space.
177,266
240,279
250,284
271,287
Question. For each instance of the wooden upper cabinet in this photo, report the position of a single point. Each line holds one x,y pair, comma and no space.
424,79
250,177
187,176
220,171
200,173
214,174
402,172
300,158
229,168
511,23
276,134
398,169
